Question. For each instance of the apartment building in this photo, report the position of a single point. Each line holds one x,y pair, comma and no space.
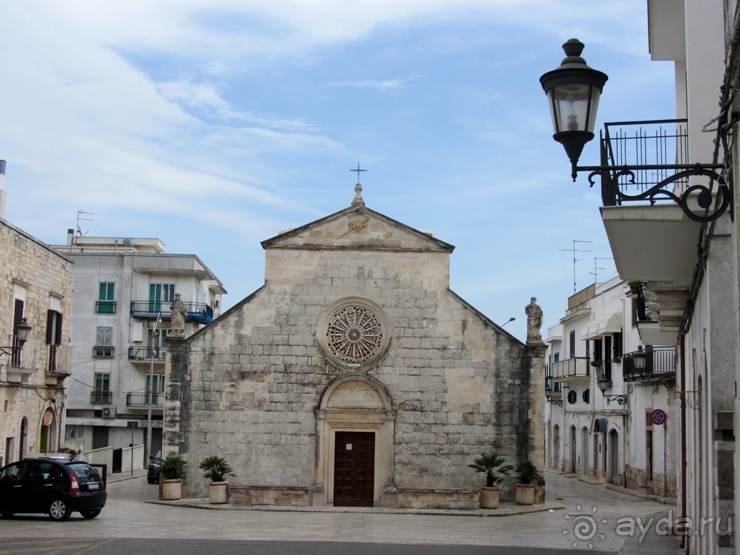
124,289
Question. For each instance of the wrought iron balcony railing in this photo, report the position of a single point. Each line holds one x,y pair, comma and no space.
196,312
146,354
659,144
576,367
98,397
57,360
551,385
659,365
105,307
103,351
143,399
647,161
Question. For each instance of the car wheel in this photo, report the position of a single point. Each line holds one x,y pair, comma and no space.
90,514
59,510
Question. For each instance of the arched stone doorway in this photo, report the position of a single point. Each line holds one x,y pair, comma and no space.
47,435
355,423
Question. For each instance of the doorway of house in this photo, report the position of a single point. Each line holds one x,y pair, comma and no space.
354,469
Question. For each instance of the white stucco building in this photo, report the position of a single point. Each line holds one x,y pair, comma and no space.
610,436
123,291
681,244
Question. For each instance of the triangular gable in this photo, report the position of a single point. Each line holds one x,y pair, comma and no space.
359,228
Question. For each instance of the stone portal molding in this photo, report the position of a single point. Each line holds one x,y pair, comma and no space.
354,332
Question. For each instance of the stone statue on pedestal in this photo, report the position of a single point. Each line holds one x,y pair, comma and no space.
534,321
177,326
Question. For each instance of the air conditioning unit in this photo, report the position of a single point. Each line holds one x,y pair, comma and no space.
109,412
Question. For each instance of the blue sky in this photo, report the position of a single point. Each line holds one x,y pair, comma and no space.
213,125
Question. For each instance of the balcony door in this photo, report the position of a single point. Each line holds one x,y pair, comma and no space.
160,294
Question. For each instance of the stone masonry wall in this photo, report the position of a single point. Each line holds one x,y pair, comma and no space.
457,386
46,279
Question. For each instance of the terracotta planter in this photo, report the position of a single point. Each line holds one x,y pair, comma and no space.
525,494
489,498
170,490
218,493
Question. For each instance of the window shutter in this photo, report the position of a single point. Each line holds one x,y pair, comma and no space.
58,336
49,327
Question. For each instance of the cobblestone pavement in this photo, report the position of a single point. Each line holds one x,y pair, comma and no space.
578,516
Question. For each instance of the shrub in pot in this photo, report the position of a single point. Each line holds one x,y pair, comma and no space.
170,483
495,470
528,476
216,469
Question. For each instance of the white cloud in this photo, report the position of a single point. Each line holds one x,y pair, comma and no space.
388,84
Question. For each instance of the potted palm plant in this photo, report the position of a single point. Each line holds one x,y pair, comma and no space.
495,469
528,476
170,483
216,469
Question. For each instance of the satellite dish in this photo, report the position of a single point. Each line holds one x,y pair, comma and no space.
127,242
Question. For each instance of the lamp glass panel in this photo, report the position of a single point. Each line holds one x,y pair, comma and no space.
574,107
639,360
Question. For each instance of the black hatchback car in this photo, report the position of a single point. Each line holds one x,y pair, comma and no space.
52,486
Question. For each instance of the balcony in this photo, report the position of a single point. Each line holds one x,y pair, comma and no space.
57,364
146,354
570,368
141,400
649,238
200,313
22,363
99,397
553,389
659,366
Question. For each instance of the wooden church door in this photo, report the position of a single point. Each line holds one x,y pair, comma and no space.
354,469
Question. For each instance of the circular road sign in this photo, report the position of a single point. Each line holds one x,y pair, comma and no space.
658,417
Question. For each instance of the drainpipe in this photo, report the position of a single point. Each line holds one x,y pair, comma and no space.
682,349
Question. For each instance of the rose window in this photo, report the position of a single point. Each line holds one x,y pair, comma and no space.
354,334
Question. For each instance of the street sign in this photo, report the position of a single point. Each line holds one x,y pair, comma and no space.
658,417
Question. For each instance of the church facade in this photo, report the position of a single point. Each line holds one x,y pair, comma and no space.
354,376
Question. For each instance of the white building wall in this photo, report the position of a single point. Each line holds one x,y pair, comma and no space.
592,458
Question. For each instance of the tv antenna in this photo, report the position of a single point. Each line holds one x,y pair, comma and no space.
595,273
80,214
574,250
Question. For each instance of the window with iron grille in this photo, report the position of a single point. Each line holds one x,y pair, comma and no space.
103,342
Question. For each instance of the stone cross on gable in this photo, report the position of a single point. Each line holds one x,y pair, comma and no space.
358,201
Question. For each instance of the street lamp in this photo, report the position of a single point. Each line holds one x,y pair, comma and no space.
639,359
573,91
507,321
548,398
153,346
604,383
21,336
